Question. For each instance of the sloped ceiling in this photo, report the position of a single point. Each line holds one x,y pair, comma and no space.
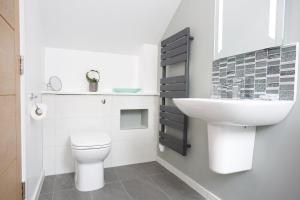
119,26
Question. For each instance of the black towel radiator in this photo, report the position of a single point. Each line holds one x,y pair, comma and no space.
174,50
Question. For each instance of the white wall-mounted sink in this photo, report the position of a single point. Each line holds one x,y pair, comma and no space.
232,126
235,112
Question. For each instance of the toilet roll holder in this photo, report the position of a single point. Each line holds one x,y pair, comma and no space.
38,110
32,96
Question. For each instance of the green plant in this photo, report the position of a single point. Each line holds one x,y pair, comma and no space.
93,76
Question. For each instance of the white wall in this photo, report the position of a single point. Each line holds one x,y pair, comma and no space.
116,70
106,25
78,114
147,69
32,42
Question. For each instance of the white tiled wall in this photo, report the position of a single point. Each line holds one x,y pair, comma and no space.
77,114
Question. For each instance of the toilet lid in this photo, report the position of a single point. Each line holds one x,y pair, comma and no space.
90,140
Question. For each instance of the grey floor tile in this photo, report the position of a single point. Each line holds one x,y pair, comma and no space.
174,187
151,168
48,185
145,181
64,182
46,196
112,191
188,196
144,190
71,194
110,175
129,172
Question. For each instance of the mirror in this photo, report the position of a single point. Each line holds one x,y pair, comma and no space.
54,83
247,25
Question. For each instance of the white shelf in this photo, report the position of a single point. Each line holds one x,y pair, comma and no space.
99,93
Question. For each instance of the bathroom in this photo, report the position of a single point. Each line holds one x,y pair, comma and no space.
142,100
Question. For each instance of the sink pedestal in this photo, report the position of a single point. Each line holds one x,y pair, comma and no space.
230,148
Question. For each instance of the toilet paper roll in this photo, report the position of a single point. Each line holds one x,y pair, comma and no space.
161,147
38,111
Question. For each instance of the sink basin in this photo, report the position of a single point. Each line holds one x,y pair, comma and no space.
232,127
235,112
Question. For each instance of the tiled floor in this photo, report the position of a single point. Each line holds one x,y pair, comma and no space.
146,181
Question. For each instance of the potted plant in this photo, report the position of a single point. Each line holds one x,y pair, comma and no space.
93,77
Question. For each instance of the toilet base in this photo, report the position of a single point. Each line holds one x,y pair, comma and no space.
89,177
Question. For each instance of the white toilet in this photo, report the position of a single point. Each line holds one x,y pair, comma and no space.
89,152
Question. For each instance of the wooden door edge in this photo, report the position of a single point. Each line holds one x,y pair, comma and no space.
18,100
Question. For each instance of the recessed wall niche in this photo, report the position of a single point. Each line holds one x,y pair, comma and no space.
133,119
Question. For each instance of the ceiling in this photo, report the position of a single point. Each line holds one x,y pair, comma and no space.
119,26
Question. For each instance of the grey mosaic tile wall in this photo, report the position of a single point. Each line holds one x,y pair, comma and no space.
267,74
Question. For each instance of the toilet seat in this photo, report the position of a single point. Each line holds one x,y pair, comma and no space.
90,141
90,147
